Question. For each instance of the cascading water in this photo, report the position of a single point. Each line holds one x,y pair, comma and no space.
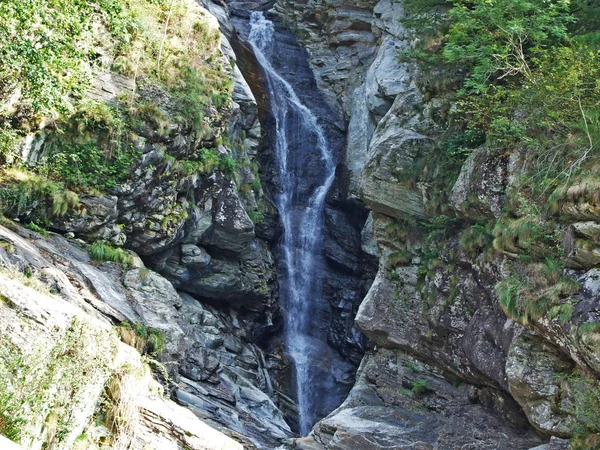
300,206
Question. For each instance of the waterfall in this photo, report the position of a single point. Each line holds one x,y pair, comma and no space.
300,203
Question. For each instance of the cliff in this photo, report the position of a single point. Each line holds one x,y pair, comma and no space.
458,282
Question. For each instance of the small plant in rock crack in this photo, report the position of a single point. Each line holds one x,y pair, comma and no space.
420,387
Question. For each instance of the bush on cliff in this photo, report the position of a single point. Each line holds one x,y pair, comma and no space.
55,48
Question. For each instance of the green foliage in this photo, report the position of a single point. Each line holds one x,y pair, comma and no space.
256,216
523,231
589,328
35,227
420,387
257,185
396,230
399,258
499,39
55,47
51,44
227,164
539,290
86,166
509,294
562,312
583,407
101,251
42,40
9,139
532,70
142,337
475,239
585,441
210,160
24,191
93,152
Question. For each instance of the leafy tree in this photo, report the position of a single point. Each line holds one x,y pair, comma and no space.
499,38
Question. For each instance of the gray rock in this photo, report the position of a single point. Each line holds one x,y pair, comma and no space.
94,213
482,184
157,303
232,229
558,444
392,150
536,372
192,255
382,411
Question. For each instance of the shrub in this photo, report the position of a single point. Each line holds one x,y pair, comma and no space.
143,338
101,251
499,39
24,191
227,164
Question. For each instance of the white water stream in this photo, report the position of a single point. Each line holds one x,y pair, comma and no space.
302,217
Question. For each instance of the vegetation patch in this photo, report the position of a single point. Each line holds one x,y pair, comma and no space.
40,387
143,338
56,50
420,387
22,192
537,290
101,251
583,405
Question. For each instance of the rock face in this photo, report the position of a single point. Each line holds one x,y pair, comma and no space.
163,210
402,403
433,309
444,362
64,343
219,374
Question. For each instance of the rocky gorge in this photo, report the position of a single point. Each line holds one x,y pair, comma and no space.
328,188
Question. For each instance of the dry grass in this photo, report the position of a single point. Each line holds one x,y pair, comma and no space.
177,31
123,417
